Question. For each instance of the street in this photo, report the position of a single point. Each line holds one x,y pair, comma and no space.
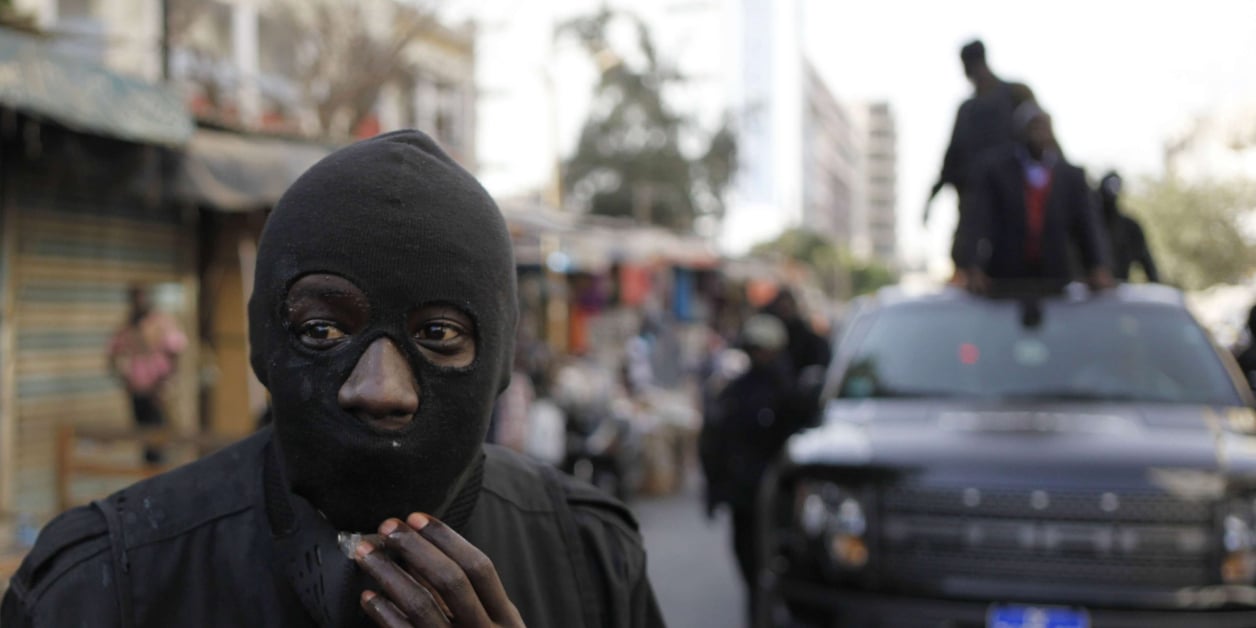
691,561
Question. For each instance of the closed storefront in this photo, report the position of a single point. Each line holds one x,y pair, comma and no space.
84,214
83,237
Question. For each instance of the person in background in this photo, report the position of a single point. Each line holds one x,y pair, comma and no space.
1028,207
1247,357
983,123
143,353
1126,240
744,429
805,347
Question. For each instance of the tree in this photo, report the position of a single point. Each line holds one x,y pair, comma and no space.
629,160
350,51
1199,232
841,274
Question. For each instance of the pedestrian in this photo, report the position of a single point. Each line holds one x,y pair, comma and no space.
983,123
382,322
1029,207
805,347
143,353
744,430
1126,240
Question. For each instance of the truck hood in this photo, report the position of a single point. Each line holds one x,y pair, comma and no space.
1187,449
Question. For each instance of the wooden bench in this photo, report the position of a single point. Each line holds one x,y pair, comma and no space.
71,464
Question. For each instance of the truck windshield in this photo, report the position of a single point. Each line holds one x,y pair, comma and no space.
1092,350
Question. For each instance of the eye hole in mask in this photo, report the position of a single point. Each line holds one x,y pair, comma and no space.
445,335
321,334
325,310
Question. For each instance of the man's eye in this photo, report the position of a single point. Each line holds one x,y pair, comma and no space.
321,333
438,332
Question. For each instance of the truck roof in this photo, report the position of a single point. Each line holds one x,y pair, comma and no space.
1151,294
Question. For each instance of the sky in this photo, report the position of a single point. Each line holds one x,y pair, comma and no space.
1118,76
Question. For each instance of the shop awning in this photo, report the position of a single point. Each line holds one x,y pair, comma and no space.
38,79
234,172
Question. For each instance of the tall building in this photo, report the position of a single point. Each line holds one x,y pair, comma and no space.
766,97
880,159
849,173
832,168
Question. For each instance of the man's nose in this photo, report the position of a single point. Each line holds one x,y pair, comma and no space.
381,389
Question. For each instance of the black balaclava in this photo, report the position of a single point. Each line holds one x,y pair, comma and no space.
398,218
1109,191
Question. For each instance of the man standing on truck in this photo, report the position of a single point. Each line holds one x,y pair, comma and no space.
1027,208
983,122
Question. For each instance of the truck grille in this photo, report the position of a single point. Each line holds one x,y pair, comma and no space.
936,535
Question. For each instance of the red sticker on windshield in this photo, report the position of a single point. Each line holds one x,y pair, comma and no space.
969,353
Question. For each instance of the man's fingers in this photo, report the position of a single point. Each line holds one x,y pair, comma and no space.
382,612
412,600
438,571
478,568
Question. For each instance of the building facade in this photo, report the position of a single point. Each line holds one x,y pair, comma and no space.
880,159
832,164
286,67
850,172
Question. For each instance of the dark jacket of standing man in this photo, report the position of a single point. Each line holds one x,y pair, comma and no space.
1247,357
1126,239
745,428
1029,207
983,122
382,322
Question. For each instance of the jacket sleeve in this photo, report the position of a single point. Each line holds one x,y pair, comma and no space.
616,559
952,166
67,579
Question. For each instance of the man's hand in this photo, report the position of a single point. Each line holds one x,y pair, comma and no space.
1100,279
933,192
972,279
431,576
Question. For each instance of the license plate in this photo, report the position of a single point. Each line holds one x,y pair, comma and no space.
1016,616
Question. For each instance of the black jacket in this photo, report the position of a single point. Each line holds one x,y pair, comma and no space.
1129,246
743,431
983,122
195,547
994,227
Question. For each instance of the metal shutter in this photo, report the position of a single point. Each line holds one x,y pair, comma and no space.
76,254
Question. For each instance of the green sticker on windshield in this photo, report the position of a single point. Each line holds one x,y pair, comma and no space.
1030,352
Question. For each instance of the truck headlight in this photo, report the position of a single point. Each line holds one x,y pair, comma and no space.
834,517
1238,541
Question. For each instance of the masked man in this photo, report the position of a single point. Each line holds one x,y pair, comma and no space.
382,322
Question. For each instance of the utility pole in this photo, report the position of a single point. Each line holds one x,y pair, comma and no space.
165,40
